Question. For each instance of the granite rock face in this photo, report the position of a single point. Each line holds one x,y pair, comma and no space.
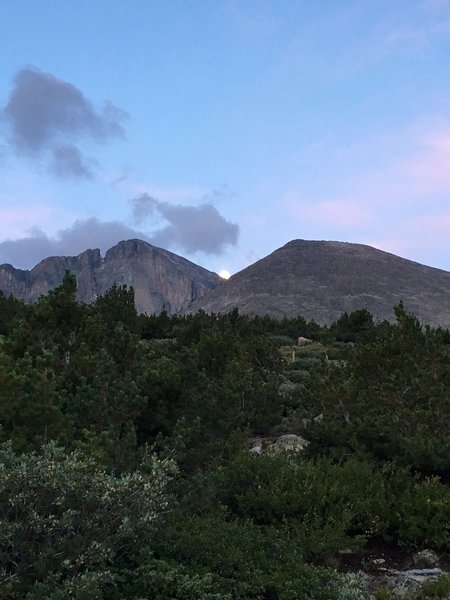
160,278
320,280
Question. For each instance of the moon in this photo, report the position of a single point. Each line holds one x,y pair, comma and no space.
224,274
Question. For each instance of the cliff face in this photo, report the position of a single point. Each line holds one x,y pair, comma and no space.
320,280
159,277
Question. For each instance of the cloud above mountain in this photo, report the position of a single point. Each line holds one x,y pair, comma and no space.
82,234
186,228
48,119
190,228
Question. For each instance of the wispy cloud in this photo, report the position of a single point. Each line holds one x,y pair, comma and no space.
411,31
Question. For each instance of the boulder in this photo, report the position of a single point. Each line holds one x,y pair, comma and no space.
426,558
289,442
401,584
409,583
256,446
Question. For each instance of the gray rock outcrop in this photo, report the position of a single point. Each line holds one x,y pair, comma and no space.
290,442
426,559
401,584
161,279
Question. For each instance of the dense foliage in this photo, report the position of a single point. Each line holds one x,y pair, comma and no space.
98,404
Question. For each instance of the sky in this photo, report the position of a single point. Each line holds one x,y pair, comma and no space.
222,129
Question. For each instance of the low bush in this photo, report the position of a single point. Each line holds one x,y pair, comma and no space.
423,513
325,506
235,559
67,524
440,588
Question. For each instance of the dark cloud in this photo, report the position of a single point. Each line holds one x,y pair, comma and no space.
44,114
28,251
142,207
90,233
93,233
190,228
69,162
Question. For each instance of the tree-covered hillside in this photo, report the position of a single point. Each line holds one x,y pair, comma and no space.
125,470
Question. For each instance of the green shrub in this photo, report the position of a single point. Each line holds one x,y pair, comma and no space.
234,559
282,340
66,524
424,515
169,580
309,363
338,352
440,588
383,594
352,586
325,506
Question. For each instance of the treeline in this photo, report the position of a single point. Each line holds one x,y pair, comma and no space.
125,470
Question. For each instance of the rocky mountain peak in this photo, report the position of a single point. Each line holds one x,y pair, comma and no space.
160,278
129,248
316,279
322,279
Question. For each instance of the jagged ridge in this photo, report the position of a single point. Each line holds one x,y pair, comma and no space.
160,278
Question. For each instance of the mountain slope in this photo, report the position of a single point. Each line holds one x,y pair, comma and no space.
322,279
159,277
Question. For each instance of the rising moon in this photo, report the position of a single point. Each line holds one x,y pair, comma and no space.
225,274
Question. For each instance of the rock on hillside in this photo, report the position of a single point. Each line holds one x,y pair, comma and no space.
321,279
159,277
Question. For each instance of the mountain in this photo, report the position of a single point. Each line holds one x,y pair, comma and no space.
322,279
159,277
317,279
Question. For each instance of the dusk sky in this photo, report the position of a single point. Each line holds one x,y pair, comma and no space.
222,129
